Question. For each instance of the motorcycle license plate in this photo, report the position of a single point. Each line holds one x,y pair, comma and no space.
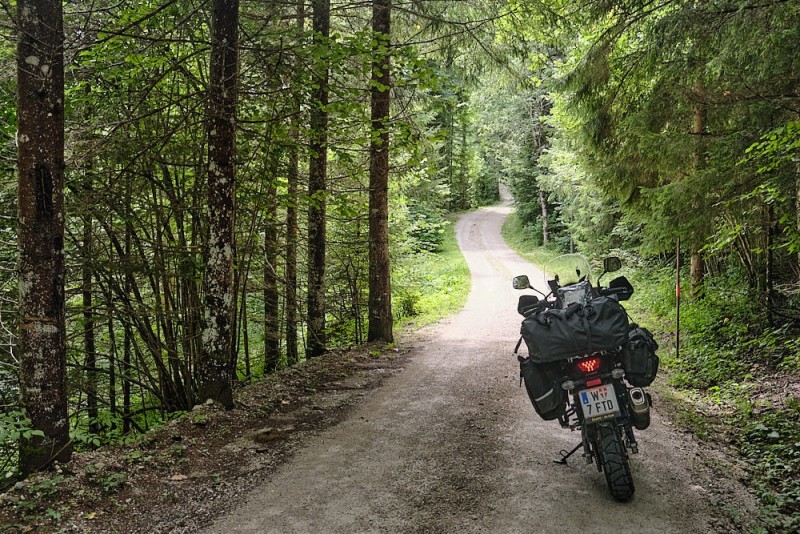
599,402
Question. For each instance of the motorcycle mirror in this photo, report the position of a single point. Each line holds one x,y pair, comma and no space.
521,282
611,264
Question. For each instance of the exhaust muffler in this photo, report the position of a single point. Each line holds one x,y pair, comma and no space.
639,404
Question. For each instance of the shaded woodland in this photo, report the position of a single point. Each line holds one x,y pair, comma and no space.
225,190
238,180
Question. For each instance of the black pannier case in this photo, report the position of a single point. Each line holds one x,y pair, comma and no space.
558,334
639,357
543,387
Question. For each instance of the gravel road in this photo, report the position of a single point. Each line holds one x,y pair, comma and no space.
452,444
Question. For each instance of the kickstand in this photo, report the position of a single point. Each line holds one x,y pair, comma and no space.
564,454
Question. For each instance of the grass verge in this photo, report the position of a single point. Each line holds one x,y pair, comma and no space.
520,240
430,286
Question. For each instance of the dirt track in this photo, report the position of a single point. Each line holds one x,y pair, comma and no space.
451,444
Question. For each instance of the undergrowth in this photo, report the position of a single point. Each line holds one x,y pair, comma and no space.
521,240
734,362
429,286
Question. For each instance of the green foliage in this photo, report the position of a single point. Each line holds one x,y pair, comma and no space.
718,327
776,148
429,286
104,477
110,431
771,444
14,425
633,84
30,496
427,227
526,241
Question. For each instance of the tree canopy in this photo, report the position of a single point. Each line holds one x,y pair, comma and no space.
247,167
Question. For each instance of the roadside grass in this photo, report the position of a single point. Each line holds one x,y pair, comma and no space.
734,382
521,241
429,286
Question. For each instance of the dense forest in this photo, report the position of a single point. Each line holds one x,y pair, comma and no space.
196,193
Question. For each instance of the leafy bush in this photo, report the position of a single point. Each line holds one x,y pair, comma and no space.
772,446
714,330
428,286
427,227
406,302
13,426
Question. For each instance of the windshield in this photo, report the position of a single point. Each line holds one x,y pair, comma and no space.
570,268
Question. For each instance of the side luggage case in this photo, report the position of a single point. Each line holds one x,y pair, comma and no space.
639,357
543,387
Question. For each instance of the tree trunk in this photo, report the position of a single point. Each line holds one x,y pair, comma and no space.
215,369
290,272
797,209
40,205
543,204
293,177
88,327
697,265
769,268
112,362
127,372
317,187
272,338
380,287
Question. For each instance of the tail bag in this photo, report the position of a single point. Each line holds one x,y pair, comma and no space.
557,334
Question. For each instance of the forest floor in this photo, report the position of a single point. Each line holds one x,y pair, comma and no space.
433,435
198,466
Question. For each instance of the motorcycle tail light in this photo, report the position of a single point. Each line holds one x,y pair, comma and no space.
589,365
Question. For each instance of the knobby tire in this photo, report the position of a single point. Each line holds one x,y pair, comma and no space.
615,464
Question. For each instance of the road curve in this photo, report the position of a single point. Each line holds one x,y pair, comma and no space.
452,443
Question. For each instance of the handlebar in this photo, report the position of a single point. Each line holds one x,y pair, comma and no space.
620,288
606,291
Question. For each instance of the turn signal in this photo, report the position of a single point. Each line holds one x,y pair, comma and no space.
589,365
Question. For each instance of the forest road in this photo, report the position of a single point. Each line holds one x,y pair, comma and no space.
452,443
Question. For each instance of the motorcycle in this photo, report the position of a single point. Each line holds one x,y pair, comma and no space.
588,365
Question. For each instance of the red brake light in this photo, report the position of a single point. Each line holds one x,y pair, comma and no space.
589,365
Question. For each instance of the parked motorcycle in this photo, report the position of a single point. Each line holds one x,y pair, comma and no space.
587,365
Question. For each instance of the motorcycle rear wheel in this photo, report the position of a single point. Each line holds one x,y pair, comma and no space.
614,462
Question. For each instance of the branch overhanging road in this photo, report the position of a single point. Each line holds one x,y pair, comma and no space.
452,444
